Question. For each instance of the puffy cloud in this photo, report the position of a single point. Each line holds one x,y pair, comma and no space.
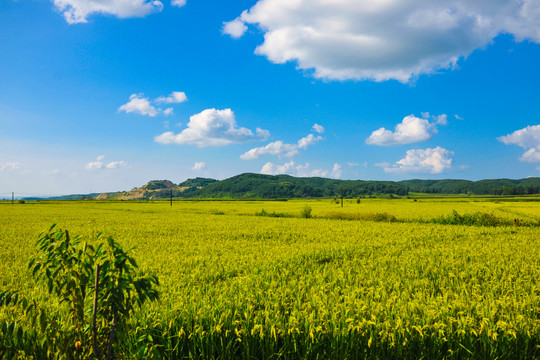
178,3
304,142
142,105
384,39
529,139
292,169
174,98
279,148
10,166
199,166
100,164
235,28
411,130
92,165
336,171
212,127
433,161
77,11
139,104
115,164
318,128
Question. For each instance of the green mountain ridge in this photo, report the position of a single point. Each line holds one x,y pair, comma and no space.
259,186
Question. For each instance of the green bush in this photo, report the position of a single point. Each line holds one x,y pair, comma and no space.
476,219
97,289
306,212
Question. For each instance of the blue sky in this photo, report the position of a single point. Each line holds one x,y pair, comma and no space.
105,96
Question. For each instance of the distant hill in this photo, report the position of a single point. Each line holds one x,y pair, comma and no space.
482,187
259,186
65,197
197,182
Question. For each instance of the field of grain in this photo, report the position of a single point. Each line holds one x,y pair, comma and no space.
341,283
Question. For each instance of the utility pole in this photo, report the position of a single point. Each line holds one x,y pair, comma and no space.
341,193
171,197
12,198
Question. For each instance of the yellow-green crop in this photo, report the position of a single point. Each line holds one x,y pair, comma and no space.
235,285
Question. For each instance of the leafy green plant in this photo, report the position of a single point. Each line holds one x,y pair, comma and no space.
97,289
476,219
306,212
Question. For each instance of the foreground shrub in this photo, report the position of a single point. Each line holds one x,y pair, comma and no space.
97,290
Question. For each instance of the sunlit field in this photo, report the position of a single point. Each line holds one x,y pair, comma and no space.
309,279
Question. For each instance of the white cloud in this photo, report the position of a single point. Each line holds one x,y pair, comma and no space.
529,139
77,11
281,149
174,98
442,119
384,39
10,166
115,164
178,3
292,168
277,148
100,164
352,164
139,104
199,166
304,142
410,130
212,127
318,128
433,161
235,28
142,105
336,171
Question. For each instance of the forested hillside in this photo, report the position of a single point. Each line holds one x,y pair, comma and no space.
258,186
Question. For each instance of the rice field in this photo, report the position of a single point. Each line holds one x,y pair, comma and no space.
239,286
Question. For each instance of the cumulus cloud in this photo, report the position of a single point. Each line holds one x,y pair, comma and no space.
115,164
77,11
336,171
291,168
100,164
139,104
529,139
384,39
10,166
144,106
281,149
432,161
199,166
277,148
235,28
412,129
212,127
178,3
174,98
318,128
